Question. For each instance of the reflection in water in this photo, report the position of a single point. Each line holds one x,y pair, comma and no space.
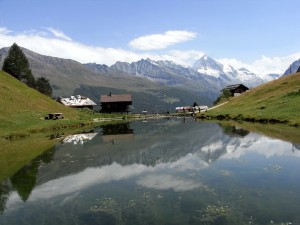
169,173
56,135
296,147
235,131
4,194
111,129
117,138
79,138
24,180
167,182
117,133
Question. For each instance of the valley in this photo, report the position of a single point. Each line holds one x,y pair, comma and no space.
157,86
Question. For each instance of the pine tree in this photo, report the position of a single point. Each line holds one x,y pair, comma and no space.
16,64
298,70
43,86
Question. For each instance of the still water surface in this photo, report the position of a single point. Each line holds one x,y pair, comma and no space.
158,172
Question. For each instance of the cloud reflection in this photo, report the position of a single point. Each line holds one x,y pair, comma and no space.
253,143
166,181
71,184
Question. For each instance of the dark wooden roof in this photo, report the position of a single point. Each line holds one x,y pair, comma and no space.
235,86
116,98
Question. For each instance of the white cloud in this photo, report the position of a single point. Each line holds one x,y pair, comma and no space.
274,64
161,41
57,46
58,33
184,57
265,65
4,30
46,44
53,42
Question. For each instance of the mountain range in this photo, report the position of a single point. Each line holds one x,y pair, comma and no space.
205,69
68,77
155,85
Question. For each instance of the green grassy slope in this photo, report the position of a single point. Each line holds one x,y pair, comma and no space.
277,101
23,108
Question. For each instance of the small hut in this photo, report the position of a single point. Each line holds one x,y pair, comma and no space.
115,103
236,89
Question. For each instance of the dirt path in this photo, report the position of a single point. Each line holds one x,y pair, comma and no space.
217,106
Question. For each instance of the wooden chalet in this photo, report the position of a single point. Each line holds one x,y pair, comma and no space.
115,103
236,89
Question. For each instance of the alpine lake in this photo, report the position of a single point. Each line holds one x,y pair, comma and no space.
157,171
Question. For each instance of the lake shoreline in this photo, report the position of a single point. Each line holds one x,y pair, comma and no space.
273,130
61,125
245,118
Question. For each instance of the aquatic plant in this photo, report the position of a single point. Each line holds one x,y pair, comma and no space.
212,214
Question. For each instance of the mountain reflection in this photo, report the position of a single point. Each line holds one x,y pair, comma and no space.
296,147
235,131
157,147
116,172
24,180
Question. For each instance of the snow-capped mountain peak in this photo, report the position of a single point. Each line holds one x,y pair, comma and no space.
208,66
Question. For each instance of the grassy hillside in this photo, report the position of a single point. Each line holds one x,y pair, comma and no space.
23,109
275,101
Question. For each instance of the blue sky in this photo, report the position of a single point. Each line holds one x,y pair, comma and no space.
261,35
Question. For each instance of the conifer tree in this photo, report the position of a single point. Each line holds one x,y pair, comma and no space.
43,86
16,64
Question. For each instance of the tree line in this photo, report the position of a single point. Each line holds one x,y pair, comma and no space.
17,65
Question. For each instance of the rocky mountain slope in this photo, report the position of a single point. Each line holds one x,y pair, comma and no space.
163,82
293,68
206,73
169,74
68,77
165,72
